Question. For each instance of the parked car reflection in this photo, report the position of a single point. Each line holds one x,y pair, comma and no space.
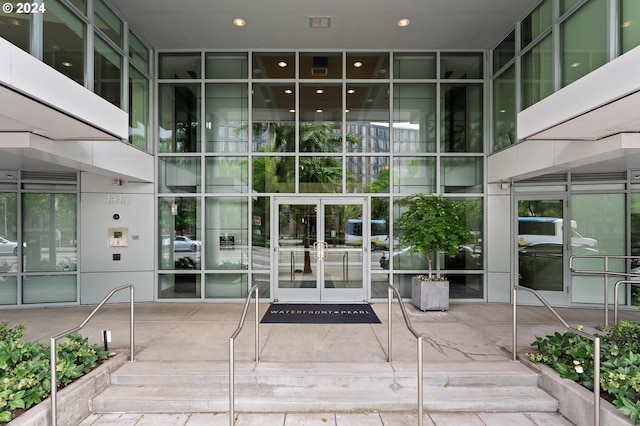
467,258
182,243
8,246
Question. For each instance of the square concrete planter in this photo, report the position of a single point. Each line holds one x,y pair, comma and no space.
430,295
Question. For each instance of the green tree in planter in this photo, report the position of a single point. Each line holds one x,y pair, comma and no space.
433,223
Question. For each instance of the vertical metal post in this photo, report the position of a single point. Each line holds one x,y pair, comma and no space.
420,383
54,386
596,381
515,322
606,291
231,384
131,321
390,299
257,342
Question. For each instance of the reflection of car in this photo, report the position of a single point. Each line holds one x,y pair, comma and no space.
8,247
182,243
467,258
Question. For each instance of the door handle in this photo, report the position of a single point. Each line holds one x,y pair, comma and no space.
320,250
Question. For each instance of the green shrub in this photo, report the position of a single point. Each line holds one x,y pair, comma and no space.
571,355
25,373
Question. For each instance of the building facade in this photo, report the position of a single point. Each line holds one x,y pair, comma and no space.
195,174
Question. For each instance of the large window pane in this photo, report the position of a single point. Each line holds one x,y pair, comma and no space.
179,286
9,245
367,117
537,73
107,72
226,286
274,117
49,289
108,22
597,227
138,52
414,65
8,289
179,65
227,174
226,118
138,110
226,65
504,110
536,23
319,65
629,25
261,230
179,116
321,174
226,234
461,106
274,65
368,174
635,245
63,41
363,65
15,27
179,233
179,175
469,257
49,232
461,65
584,41
413,175
461,174
414,117
321,117
274,174
504,52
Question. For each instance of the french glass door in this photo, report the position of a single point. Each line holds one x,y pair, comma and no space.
314,259
543,248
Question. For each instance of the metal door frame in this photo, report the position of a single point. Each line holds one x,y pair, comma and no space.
320,293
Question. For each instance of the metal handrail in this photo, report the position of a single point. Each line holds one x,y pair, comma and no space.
616,296
232,374
390,292
596,345
606,274
54,362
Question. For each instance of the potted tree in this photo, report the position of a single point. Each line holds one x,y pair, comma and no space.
429,224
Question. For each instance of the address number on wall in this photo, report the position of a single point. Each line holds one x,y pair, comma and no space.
118,199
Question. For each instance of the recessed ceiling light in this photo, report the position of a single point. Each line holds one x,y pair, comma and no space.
282,64
351,91
318,110
357,64
403,22
239,22
319,91
575,64
627,24
292,110
67,64
288,91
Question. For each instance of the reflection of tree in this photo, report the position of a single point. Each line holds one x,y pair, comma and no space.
9,218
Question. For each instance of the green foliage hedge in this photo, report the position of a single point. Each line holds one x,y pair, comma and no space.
25,372
571,355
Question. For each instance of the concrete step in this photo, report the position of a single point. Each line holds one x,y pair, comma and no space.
160,387
496,373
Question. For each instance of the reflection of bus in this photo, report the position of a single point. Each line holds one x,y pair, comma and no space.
379,233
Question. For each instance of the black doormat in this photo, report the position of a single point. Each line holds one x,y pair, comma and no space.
335,313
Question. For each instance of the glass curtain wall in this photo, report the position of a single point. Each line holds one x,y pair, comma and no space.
62,38
575,40
38,239
239,128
